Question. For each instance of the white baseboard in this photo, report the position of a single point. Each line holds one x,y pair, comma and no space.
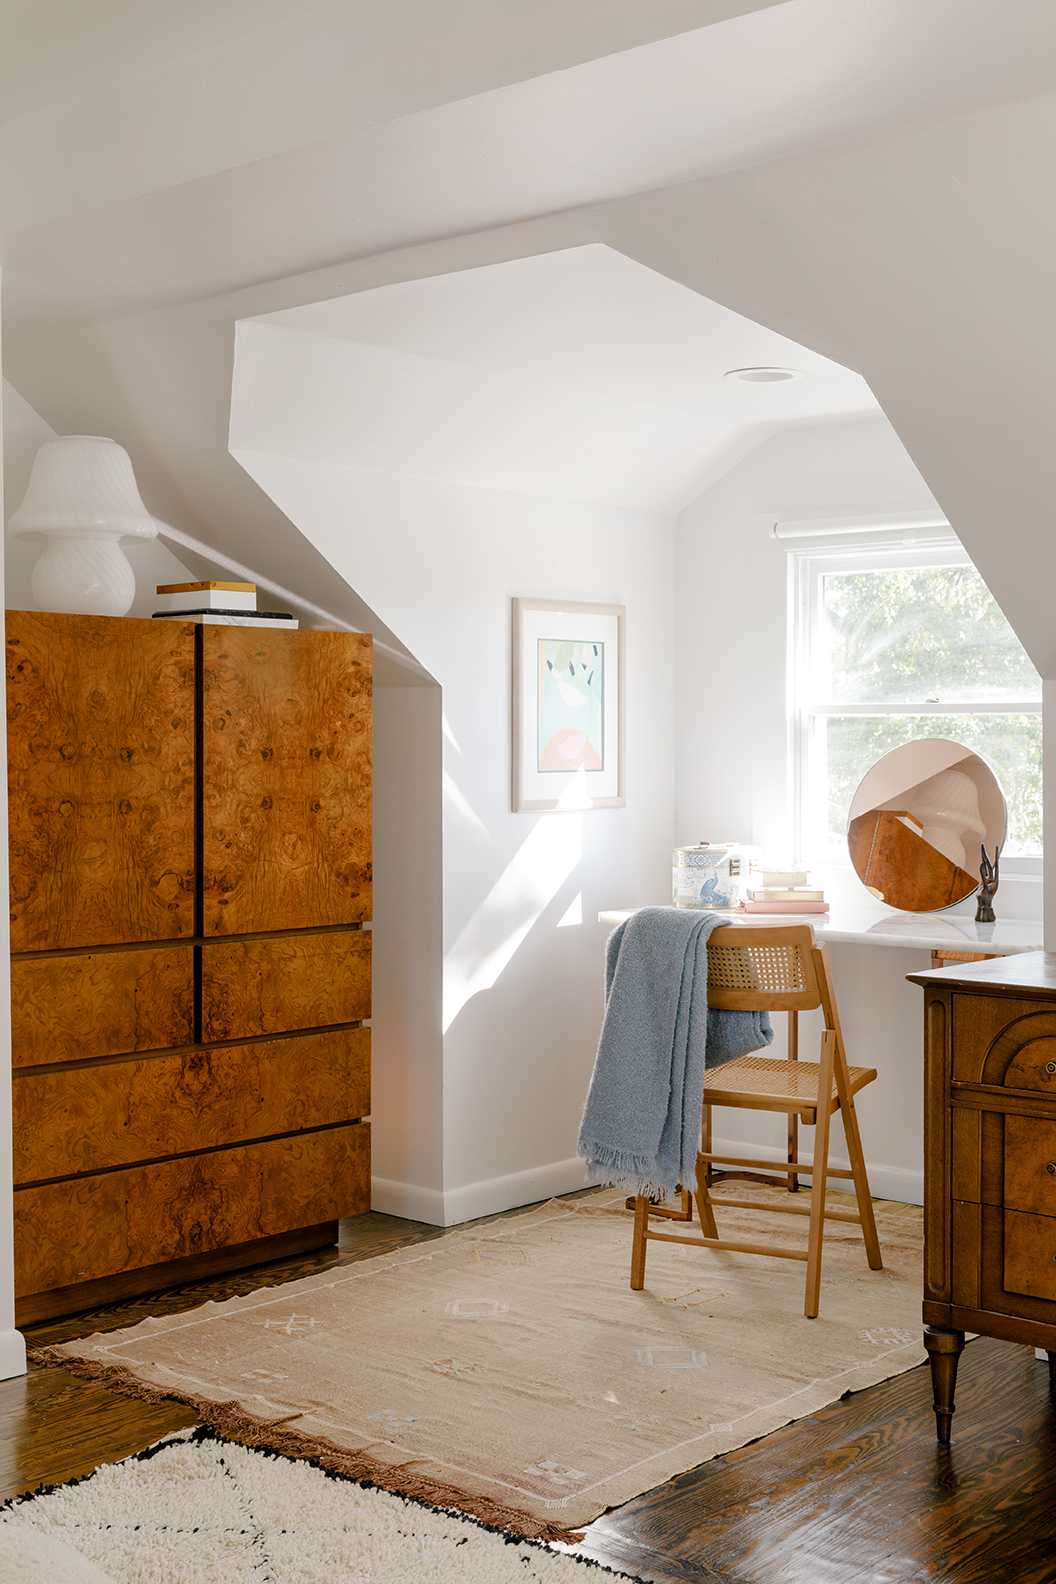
407,1200
885,1182
12,1354
494,1194
476,1199
519,1188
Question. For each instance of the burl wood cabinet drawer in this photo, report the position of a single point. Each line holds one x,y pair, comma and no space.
1004,1043
95,1226
105,1003
250,988
93,1117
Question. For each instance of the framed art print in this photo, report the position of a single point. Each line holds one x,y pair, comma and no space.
568,685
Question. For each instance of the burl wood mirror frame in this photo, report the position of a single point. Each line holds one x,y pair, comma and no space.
918,820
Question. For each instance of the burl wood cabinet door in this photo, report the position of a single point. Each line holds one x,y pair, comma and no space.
101,779
286,772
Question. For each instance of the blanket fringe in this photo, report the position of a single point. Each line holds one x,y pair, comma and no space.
230,1419
604,1174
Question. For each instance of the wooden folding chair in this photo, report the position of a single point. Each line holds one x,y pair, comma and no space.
771,970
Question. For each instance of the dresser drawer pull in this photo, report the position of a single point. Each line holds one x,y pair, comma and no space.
1051,1168
1050,1068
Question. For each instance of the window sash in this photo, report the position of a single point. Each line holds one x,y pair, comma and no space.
805,711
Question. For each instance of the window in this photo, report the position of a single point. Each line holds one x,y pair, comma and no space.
894,644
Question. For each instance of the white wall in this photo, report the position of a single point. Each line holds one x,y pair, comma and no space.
407,1067
440,562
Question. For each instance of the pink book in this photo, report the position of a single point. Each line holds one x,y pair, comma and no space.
784,907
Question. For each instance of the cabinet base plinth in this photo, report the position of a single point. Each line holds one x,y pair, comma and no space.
34,1307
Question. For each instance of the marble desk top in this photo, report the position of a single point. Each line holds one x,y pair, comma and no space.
882,926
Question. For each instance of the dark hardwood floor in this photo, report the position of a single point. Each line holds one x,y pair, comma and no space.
860,1493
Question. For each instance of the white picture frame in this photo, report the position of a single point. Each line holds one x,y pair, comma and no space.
568,706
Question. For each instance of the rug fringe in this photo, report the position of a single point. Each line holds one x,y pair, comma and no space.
230,1419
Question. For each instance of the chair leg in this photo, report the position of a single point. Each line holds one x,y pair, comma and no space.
705,1144
639,1243
850,1120
704,1202
793,1118
817,1192
793,1149
861,1185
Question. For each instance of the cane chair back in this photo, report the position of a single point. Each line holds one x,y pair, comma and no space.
762,970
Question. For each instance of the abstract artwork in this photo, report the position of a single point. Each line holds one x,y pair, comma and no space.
571,726
567,705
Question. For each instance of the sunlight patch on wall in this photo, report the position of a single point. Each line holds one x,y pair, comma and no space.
573,914
458,799
528,884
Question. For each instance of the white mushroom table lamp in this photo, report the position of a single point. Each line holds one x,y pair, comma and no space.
82,500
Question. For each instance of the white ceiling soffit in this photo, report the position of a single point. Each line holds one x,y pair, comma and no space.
790,76
579,374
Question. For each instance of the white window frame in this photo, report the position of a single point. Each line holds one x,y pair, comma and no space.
806,566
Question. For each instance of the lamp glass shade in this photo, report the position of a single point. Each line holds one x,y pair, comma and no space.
82,499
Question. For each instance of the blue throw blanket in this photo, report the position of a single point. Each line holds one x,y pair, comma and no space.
641,1122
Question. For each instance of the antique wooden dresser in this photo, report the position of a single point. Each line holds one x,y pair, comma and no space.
190,813
989,1159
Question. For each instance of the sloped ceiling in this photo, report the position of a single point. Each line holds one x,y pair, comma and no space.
869,178
577,374
346,130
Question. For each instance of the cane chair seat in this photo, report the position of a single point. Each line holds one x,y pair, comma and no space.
768,1083
770,969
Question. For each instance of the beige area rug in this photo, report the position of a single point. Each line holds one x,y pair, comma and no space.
508,1369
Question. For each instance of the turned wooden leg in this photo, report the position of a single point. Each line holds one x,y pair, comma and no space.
944,1349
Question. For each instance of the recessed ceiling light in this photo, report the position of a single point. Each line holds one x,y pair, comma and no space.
765,376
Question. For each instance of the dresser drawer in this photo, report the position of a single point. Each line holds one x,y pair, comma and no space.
104,1003
90,1227
1030,1165
291,982
1004,1043
86,1119
1030,1255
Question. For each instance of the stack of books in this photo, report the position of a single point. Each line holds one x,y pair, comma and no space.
217,605
783,891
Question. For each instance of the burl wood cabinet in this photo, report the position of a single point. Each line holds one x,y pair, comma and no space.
989,1160
190,813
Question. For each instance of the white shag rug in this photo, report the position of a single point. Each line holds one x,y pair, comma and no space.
198,1509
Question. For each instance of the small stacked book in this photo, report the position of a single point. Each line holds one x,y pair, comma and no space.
217,605
784,891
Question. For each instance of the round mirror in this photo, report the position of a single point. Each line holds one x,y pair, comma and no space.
917,823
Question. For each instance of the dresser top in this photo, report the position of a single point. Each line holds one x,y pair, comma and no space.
1024,974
